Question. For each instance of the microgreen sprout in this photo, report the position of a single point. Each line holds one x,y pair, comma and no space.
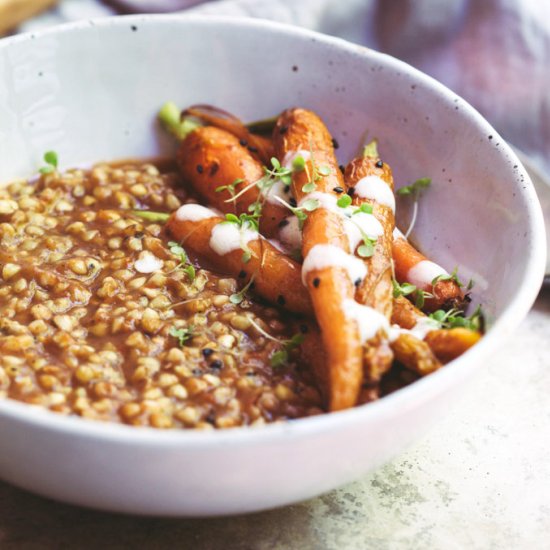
408,289
238,297
451,277
280,357
318,172
366,250
170,118
344,201
230,188
155,217
365,208
455,318
177,250
403,289
413,190
420,297
51,160
244,221
371,149
182,334
309,205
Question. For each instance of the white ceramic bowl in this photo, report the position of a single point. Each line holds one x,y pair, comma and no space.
91,91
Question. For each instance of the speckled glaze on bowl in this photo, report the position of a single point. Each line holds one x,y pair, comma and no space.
91,91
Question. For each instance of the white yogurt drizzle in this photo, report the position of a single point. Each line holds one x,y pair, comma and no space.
291,234
278,189
322,256
362,224
376,189
194,213
291,156
423,273
420,330
226,237
326,200
369,321
147,263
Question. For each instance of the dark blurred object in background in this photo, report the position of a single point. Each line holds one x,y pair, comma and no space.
151,6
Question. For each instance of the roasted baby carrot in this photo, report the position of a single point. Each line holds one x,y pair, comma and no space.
239,250
329,270
370,182
221,169
446,343
413,267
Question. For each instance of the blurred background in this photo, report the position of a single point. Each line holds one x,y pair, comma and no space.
494,53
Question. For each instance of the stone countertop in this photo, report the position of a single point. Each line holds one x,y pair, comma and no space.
479,480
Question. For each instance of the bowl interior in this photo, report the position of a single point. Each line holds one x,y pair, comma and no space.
93,95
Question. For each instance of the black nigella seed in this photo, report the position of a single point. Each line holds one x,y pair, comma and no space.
242,274
335,144
214,168
338,190
134,28
316,282
200,168
287,188
342,168
357,282
253,149
217,364
294,68
351,191
197,372
379,164
283,223
243,142
304,329
252,285
490,137
292,202
207,352
283,130
281,300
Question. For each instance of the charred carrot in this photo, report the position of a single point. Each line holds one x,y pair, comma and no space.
329,270
413,267
446,343
370,183
224,173
236,248
260,147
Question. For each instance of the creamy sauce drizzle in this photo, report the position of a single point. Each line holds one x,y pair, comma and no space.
423,326
369,321
278,189
360,224
148,263
291,234
226,237
326,200
423,273
322,256
376,189
194,213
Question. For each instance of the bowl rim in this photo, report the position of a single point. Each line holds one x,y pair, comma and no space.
406,398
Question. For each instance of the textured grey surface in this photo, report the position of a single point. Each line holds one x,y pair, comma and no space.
480,480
